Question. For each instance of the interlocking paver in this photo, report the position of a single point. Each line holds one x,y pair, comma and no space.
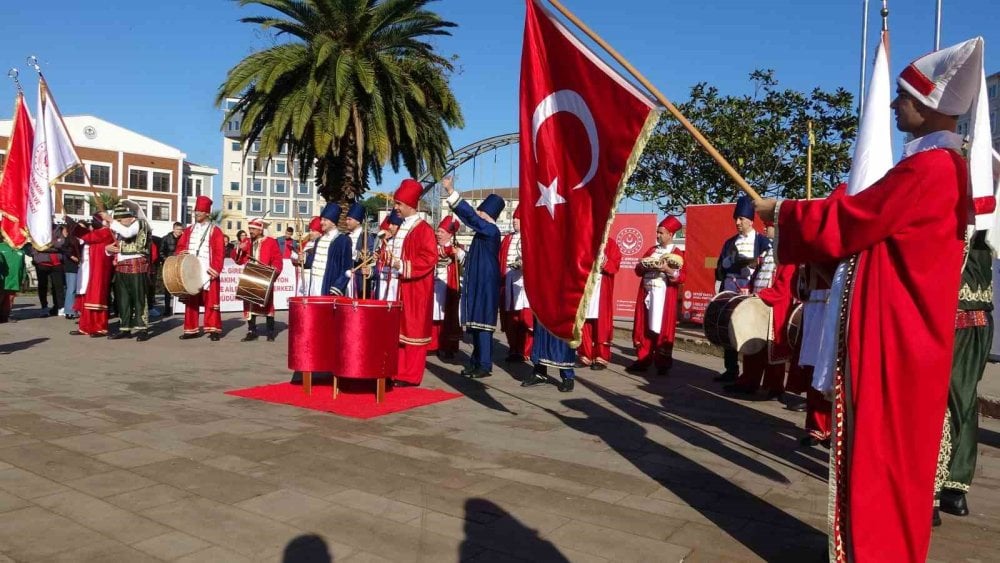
127,464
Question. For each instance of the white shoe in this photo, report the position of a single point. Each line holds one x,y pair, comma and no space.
61,312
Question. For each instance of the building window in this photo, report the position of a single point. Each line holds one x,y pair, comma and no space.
234,186
280,206
235,146
3,160
239,225
100,175
251,164
256,206
280,167
277,228
302,188
229,205
302,208
161,211
161,181
280,187
234,125
229,225
992,91
75,177
74,204
187,187
256,185
138,180
239,206
197,186
284,148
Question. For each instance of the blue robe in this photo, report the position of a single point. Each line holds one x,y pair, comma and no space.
548,350
732,267
338,262
481,269
358,278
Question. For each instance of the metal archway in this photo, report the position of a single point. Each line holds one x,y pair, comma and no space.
456,159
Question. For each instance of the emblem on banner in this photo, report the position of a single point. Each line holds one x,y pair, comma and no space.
629,241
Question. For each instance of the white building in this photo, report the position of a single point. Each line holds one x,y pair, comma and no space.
252,188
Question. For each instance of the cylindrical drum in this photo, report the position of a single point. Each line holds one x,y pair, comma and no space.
738,322
183,275
312,337
367,338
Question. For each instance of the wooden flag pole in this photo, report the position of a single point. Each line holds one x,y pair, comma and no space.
705,144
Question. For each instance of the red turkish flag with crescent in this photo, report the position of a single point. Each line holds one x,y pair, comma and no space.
583,128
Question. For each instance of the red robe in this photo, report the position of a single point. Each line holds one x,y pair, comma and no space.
769,363
416,290
447,333
908,231
94,316
598,333
211,296
267,253
518,326
650,345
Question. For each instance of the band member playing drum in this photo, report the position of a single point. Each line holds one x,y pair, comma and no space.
662,271
516,319
446,332
204,241
739,257
362,246
774,284
598,330
329,264
412,255
264,250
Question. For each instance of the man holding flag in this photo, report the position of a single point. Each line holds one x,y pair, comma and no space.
899,314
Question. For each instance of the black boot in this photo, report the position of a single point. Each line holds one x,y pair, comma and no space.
566,385
936,518
953,502
270,329
537,377
214,337
251,330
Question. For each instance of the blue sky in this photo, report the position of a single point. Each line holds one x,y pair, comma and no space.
154,67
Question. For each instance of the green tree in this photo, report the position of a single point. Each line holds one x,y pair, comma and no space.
353,86
108,201
761,135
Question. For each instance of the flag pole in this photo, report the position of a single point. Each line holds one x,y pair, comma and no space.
44,85
705,144
937,27
809,161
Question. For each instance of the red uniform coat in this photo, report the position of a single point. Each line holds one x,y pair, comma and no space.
265,250
669,325
416,284
94,316
779,298
908,231
504,248
598,333
450,331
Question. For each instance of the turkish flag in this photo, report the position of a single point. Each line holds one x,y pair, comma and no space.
583,128
16,175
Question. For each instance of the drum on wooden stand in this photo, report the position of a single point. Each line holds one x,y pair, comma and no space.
312,338
368,332
738,322
184,275
256,282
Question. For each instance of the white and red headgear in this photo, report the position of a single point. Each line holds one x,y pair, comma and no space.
449,224
257,223
952,81
203,204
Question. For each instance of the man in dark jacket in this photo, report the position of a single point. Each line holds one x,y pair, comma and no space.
167,247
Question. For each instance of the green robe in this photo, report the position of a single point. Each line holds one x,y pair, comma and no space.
13,273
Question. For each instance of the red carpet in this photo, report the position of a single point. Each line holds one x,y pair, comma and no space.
356,399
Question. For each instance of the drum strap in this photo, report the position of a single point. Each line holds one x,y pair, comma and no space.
203,237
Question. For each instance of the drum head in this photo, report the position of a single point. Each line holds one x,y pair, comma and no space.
749,325
192,274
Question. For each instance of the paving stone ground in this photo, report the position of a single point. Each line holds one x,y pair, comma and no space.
126,451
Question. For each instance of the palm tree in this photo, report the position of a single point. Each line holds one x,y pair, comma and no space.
356,86
108,201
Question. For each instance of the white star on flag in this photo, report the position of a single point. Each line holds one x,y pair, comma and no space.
549,196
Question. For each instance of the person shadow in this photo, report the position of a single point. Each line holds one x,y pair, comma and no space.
503,537
12,347
307,548
769,532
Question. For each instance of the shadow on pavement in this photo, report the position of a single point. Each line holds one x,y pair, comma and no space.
12,347
307,548
491,527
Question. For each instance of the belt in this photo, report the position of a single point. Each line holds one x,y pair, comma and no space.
971,319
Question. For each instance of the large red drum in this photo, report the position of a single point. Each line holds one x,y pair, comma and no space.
367,338
312,337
